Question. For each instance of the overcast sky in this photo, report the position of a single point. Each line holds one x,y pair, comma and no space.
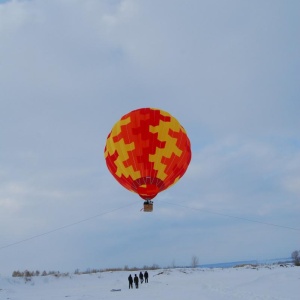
229,71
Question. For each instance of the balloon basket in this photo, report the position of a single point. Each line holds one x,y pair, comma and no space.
148,206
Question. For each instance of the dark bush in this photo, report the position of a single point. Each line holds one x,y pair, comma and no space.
296,258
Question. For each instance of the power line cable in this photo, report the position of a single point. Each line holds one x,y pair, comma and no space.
64,227
230,216
169,203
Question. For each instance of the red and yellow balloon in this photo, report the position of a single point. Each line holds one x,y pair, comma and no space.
147,151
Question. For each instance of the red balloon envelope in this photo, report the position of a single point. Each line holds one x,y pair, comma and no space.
147,151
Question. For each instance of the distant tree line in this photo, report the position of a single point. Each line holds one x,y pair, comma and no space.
29,274
296,257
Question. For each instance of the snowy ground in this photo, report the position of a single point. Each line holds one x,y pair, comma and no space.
269,282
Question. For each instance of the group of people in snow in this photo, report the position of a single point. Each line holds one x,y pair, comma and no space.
136,279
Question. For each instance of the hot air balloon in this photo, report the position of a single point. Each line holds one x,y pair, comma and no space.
147,151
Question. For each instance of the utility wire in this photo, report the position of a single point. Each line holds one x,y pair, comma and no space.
64,227
230,216
169,203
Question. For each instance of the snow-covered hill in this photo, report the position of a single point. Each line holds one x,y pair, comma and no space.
247,283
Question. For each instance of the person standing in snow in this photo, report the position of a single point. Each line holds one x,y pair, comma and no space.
130,280
141,277
136,281
146,277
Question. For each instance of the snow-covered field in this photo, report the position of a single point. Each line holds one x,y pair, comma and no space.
265,282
